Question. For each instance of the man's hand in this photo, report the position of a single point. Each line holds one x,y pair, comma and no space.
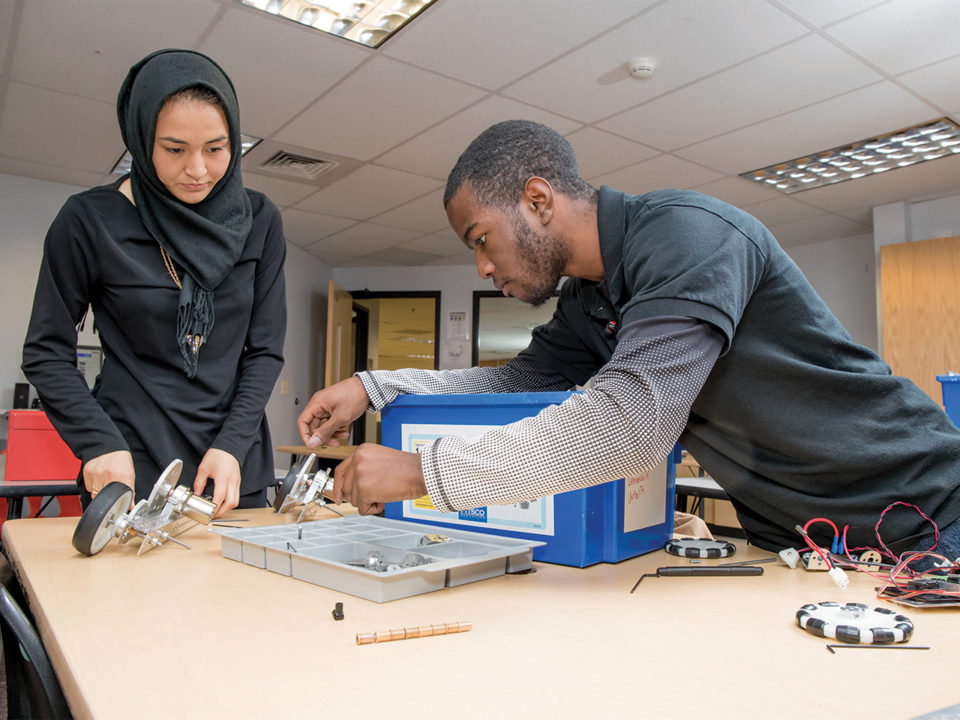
329,410
374,475
107,468
224,469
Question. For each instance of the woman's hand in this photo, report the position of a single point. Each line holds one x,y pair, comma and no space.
110,467
224,469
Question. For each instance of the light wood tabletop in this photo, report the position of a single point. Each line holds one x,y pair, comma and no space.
177,633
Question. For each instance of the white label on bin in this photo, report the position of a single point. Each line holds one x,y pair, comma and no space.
534,516
645,498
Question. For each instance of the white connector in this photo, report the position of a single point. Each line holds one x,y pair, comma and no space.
839,577
790,556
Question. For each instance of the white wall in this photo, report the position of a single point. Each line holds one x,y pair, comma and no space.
307,280
906,222
28,206
842,272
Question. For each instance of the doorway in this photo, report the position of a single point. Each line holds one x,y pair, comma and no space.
392,331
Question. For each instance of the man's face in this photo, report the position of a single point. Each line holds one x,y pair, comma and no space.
522,259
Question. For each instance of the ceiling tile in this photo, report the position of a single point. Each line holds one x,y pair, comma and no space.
399,256
425,214
366,261
729,100
665,171
435,152
382,105
6,29
592,82
600,152
438,244
903,34
368,191
86,48
824,12
281,192
459,259
52,173
740,84
29,135
862,215
816,229
332,259
937,83
781,210
851,117
506,39
736,191
302,64
362,239
305,228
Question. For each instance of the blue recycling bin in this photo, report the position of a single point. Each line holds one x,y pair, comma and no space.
951,396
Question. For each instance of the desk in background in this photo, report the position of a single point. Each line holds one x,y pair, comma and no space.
189,634
325,452
15,492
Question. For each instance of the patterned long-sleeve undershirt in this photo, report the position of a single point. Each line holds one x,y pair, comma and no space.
626,423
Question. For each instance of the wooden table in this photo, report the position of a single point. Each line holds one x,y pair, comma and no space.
189,634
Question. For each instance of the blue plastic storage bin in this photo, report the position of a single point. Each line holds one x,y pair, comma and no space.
604,523
951,396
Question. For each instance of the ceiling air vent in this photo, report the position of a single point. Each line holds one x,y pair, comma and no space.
297,166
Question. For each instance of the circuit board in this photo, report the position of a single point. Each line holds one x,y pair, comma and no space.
377,558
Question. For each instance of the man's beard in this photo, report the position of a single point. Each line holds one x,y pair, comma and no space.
543,258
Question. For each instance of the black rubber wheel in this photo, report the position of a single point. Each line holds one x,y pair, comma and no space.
93,531
284,488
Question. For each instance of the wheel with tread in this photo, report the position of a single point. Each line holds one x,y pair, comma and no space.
94,528
284,488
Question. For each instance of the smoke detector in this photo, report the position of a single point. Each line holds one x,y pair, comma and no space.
641,67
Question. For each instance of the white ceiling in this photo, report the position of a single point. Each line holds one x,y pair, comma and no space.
740,84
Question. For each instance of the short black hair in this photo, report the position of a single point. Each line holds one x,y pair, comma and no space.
498,163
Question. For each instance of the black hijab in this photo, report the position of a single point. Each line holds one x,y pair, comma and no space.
206,238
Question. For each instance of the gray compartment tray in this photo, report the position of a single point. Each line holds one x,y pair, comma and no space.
331,553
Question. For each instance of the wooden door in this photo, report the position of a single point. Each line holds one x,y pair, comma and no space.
338,365
920,310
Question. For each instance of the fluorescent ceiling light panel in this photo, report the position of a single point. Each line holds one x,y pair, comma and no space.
917,144
247,143
368,22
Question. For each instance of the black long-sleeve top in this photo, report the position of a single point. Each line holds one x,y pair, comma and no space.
98,253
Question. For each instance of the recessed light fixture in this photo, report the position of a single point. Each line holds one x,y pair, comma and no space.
367,22
912,145
247,143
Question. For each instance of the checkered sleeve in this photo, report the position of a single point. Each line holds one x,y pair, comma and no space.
626,423
383,386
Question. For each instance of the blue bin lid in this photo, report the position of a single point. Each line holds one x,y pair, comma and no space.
951,378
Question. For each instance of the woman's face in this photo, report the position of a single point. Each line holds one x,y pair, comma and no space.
191,150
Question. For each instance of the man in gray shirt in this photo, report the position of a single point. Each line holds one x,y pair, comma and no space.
695,326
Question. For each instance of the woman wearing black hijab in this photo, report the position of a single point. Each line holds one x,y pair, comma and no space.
183,268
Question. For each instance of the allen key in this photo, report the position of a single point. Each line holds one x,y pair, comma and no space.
712,571
831,647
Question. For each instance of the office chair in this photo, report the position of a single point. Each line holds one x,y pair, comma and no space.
33,690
